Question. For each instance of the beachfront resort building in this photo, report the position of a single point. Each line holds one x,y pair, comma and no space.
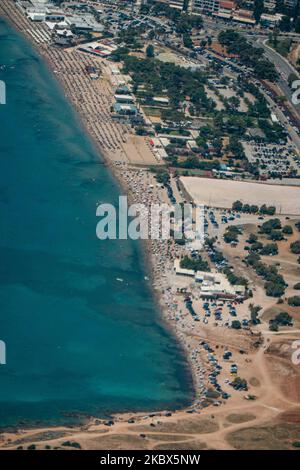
211,284
270,20
123,109
204,6
179,4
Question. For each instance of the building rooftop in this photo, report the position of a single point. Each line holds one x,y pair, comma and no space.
121,107
212,283
227,5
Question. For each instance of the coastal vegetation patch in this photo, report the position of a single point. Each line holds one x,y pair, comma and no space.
185,426
271,437
237,418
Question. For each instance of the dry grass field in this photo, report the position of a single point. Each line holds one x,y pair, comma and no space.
222,193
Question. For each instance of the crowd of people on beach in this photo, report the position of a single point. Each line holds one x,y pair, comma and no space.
142,188
93,99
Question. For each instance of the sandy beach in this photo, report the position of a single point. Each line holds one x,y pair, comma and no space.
125,154
235,423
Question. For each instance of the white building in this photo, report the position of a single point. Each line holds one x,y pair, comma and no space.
211,284
181,271
290,3
36,13
270,20
124,98
37,3
42,13
179,4
270,5
204,6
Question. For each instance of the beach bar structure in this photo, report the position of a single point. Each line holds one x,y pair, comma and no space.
211,284
125,109
120,98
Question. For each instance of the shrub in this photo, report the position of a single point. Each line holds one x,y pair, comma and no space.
240,384
267,210
295,247
273,326
163,177
276,235
257,246
74,444
234,279
195,264
287,230
236,324
274,290
272,224
237,206
231,234
294,301
283,318
254,311
269,249
252,238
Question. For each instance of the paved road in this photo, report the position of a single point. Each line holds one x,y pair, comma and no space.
283,67
283,120
280,62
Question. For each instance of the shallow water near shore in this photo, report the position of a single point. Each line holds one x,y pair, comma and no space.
77,339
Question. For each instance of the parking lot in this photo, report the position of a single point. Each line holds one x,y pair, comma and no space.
271,159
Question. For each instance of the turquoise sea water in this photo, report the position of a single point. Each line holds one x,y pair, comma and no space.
77,339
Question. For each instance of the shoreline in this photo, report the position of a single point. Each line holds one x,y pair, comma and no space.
269,406
147,252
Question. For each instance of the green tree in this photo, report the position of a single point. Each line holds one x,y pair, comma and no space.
273,326
194,264
254,311
252,238
284,319
150,51
295,247
269,249
294,301
287,230
240,384
187,42
285,24
258,9
237,206
151,34
265,70
163,177
292,77
274,289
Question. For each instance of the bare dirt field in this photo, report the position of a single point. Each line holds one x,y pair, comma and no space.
138,152
269,422
222,193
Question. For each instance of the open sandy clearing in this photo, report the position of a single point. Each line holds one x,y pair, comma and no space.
222,193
